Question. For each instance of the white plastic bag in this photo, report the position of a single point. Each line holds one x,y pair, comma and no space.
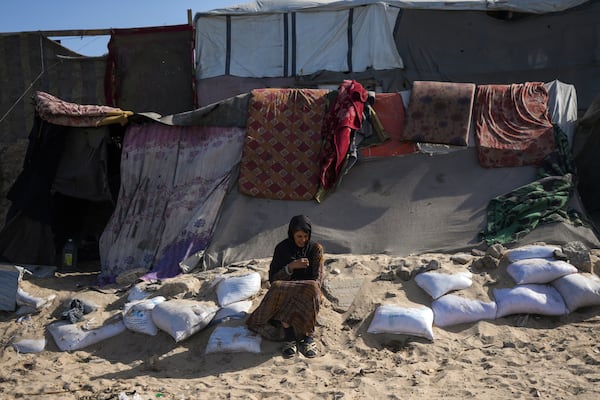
437,284
233,339
237,288
235,310
578,290
453,310
137,315
529,299
539,270
183,318
71,337
531,251
415,321
137,293
29,345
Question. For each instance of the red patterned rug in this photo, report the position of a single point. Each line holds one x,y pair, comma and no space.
280,159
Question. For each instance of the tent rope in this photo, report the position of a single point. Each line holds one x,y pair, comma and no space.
32,82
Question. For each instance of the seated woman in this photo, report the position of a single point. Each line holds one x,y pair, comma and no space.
289,309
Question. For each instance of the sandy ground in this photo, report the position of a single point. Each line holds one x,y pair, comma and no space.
519,356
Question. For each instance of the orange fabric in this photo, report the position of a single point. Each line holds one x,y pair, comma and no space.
390,111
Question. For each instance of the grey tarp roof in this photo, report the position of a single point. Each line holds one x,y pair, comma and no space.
273,6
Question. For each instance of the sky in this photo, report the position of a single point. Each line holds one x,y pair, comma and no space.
44,15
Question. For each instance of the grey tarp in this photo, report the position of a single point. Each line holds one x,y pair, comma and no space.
395,205
586,148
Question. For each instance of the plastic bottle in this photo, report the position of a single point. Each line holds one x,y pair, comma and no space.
69,256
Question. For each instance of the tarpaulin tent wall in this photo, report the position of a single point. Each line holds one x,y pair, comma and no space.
394,43
586,148
151,69
30,62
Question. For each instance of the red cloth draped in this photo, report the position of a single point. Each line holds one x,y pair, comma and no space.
512,125
344,115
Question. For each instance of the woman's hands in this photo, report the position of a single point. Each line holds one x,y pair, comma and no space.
300,263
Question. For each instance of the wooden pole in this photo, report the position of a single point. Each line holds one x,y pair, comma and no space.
72,32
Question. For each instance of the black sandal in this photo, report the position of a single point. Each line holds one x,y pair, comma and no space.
289,349
308,347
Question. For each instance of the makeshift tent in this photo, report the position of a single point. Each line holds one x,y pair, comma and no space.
31,62
391,44
179,205
179,202
68,183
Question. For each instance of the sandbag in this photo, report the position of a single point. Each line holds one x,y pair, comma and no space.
578,290
531,251
539,270
137,315
529,299
414,321
70,337
437,284
233,339
182,318
237,288
453,310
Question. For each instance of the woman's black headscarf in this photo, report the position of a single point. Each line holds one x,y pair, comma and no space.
299,223
287,251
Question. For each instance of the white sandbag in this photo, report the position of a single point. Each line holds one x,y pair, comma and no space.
578,290
70,337
451,310
531,251
25,299
233,339
437,284
137,293
137,315
182,318
237,288
414,321
539,270
529,299
237,310
29,345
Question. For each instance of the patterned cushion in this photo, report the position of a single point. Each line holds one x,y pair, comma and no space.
512,127
280,159
390,111
440,112
60,112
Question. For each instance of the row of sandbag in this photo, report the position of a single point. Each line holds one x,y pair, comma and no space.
180,318
544,286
